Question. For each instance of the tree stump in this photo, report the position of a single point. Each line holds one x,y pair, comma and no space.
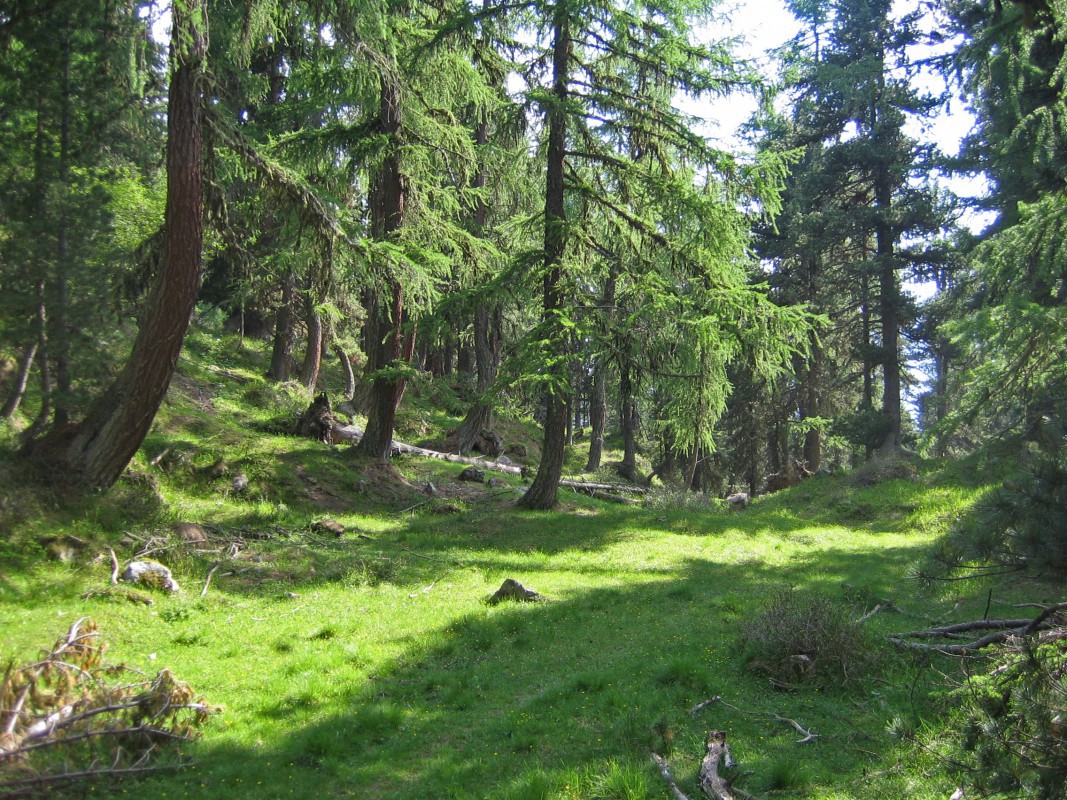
318,421
512,590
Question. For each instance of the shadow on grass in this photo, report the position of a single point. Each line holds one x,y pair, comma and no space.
558,694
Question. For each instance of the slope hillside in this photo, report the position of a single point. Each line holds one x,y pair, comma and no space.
334,610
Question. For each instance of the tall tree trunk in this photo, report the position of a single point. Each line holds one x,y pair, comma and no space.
868,367
391,345
21,379
44,414
309,369
281,357
811,405
889,298
628,423
598,415
545,487
96,451
487,327
61,310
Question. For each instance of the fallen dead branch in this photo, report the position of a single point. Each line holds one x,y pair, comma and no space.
714,785
665,771
808,735
207,580
65,718
1002,630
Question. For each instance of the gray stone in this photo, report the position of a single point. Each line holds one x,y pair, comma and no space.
473,474
150,574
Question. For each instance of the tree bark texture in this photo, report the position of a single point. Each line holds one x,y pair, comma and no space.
545,487
488,322
628,423
889,295
598,416
309,370
391,345
281,356
350,374
96,451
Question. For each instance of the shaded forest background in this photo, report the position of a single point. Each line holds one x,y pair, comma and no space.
508,197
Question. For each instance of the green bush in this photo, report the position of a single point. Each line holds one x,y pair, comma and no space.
1021,525
1012,740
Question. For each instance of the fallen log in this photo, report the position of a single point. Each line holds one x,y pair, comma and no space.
1003,629
714,786
665,771
350,433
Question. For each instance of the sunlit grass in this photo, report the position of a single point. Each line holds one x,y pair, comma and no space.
370,666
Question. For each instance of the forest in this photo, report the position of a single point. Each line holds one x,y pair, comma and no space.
408,398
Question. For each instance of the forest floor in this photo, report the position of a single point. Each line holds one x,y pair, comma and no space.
370,665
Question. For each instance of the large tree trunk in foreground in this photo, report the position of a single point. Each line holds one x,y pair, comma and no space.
542,492
96,451
390,344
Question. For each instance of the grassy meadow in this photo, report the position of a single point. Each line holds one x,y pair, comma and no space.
369,665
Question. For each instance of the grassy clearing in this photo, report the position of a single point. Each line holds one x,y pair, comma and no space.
370,666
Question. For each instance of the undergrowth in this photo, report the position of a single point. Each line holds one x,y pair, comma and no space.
365,662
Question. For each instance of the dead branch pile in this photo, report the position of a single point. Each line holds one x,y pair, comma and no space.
70,716
1045,624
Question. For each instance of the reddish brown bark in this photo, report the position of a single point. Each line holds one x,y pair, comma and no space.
97,450
390,345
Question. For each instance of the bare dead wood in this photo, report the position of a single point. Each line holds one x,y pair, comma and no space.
665,771
210,574
714,786
154,462
808,735
353,434
47,780
1003,630
704,704
114,566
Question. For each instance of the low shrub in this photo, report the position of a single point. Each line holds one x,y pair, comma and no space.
1012,739
800,636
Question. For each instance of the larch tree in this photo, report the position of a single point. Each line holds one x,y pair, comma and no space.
614,141
95,451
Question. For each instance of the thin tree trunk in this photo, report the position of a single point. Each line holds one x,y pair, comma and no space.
281,356
44,414
392,345
487,328
96,451
889,295
545,487
350,374
23,377
598,416
309,370
61,315
628,424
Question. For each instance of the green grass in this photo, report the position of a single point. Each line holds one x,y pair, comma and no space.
370,666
